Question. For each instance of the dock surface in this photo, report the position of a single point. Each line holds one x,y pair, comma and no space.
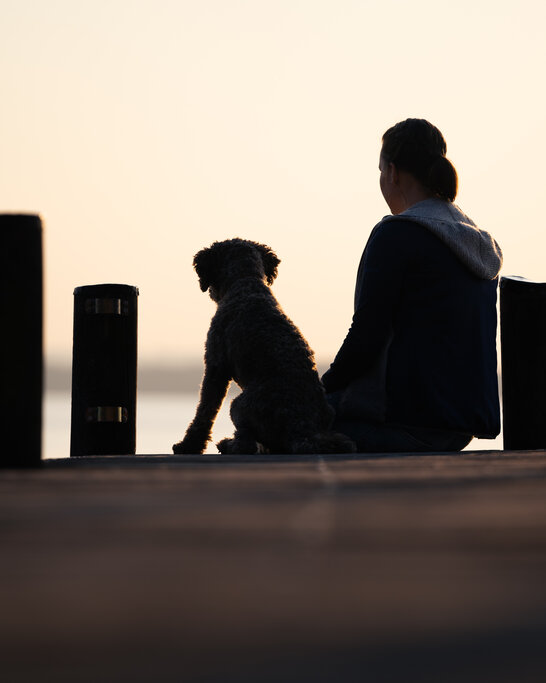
250,569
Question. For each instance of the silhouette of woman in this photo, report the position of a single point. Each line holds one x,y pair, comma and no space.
418,368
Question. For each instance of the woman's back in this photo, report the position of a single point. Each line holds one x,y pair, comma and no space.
442,363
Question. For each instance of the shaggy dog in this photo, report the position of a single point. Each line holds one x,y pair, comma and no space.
282,407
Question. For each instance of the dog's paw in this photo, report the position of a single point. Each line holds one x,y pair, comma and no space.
188,447
238,446
224,446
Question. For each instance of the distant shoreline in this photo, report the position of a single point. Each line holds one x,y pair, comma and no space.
151,377
183,378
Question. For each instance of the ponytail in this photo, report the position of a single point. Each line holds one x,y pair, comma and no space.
442,179
418,147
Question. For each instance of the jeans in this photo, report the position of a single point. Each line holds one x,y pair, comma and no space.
374,437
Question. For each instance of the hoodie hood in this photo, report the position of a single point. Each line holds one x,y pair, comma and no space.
475,248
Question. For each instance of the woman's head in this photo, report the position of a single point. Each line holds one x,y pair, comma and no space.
418,148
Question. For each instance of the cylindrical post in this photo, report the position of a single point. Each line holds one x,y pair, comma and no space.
104,370
523,349
21,355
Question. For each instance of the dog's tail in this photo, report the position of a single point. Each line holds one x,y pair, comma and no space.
323,443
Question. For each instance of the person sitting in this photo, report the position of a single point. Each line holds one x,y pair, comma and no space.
417,370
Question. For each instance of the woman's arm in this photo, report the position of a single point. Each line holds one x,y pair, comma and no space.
388,254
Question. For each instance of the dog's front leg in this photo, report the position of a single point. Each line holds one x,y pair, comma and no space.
213,390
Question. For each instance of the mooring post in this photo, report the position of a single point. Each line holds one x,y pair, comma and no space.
104,370
523,353
21,348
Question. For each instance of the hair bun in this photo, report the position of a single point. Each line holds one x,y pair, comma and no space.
442,178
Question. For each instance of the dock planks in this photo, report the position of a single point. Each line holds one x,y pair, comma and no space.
280,568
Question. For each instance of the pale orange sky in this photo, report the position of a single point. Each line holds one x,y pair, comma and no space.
142,131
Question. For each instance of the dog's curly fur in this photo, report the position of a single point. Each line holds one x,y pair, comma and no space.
282,407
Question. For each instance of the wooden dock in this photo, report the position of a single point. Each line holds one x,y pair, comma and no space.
425,568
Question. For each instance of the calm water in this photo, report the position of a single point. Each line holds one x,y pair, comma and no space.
161,420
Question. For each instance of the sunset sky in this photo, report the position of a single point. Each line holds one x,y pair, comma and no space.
142,131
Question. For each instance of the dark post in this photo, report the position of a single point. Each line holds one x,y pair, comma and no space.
523,349
21,356
104,370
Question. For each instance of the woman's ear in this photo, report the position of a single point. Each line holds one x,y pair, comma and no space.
393,174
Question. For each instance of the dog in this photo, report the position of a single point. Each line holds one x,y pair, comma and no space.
282,407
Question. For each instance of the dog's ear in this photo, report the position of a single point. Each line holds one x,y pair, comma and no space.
205,264
270,261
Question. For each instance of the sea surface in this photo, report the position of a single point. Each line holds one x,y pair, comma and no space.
162,419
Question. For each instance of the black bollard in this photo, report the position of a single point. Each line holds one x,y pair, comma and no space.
523,348
21,355
104,371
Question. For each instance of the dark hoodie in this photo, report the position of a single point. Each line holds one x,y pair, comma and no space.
421,350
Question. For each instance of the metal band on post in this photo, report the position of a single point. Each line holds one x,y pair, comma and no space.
107,306
21,355
104,370
523,349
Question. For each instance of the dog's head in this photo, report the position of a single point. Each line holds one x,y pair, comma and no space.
219,265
